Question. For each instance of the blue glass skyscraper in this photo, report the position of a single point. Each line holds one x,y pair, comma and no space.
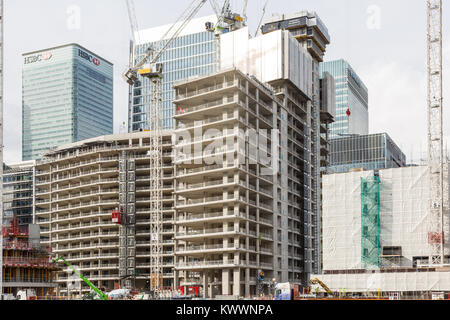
352,100
67,96
192,53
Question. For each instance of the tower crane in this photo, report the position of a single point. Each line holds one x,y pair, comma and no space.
226,21
149,67
133,20
438,189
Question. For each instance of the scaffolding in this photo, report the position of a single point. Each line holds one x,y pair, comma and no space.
370,222
25,265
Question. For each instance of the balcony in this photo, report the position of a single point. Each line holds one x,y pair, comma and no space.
195,233
189,94
209,216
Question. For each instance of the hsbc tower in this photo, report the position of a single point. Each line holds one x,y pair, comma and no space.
67,96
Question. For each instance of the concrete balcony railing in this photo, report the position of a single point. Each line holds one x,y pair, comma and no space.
85,173
208,215
209,231
201,169
93,256
83,236
209,247
184,187
218,263
85,204
181,157
82,225
194,124
78,184
85,194
92,278
203,139
87,246
206,90
207,200
73,216
83,163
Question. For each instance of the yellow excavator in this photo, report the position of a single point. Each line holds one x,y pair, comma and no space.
323,285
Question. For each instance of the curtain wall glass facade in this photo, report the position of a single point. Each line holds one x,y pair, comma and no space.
375,151
352,96
189,55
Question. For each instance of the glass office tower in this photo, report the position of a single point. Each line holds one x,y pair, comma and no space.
192,53
67,96
352,100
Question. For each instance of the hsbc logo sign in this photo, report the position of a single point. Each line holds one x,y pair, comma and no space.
39,57
88,57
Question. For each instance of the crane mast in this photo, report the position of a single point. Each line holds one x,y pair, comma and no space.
435,134
148,67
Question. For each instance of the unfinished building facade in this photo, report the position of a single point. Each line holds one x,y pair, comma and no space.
224,184
79,187
242,199
287,57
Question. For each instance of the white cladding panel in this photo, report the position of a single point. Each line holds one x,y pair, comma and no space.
234,50
266,57
387,282
273,56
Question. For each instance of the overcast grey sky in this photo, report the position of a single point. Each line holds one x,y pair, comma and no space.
384,41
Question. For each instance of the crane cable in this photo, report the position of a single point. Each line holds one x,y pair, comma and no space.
262,17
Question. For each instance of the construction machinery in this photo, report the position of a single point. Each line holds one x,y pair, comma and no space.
323,285
98,291
438,189
226,20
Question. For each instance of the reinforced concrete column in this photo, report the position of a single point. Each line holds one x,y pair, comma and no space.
176,280
210,281
247,282
205,284
237,282
226,282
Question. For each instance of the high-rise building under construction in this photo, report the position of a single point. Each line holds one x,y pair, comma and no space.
232,220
